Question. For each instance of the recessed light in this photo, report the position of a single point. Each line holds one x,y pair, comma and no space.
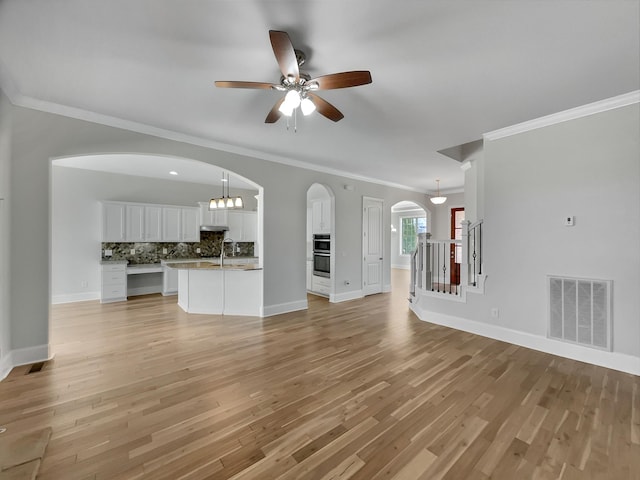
173,172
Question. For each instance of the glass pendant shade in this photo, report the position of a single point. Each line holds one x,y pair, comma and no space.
307,106
221,203
213,204
238,202
438,199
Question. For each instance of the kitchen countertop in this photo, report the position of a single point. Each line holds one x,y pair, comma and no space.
113,262
208,265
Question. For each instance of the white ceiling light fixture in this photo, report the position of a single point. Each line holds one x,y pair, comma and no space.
438,199
225,201
173,172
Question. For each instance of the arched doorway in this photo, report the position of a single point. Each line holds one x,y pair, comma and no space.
81,184
320,241
408,219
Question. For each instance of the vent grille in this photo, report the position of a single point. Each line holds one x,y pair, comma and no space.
580,311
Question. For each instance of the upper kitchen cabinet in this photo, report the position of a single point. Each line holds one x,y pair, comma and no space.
190,224
139,222
180,224
216,217
321,216
153,223
113,222
243,225
134,230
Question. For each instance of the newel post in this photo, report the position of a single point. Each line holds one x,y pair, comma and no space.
464,261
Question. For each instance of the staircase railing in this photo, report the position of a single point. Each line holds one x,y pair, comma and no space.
433,263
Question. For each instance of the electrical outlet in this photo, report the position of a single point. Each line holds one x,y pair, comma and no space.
84,284
198,250
133,251
495,313
569,221
108,253
165,251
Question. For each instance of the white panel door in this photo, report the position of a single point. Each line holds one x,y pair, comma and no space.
371,245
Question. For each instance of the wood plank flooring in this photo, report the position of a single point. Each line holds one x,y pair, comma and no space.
356,390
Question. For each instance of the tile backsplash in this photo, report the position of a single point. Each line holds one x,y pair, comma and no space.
145,253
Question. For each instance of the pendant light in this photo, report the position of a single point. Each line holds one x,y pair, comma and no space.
438,199
225,201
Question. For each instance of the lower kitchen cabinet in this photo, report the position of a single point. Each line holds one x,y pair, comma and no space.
170,281
321,285
114,283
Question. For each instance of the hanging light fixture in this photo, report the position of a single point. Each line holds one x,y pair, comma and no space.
438,199
225,200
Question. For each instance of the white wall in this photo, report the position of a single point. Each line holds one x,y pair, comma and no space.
37,137
5,155
76,220
588,168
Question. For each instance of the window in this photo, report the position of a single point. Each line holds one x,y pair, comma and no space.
410,227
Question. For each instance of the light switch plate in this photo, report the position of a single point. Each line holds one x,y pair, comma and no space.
108,253
133,251
569,221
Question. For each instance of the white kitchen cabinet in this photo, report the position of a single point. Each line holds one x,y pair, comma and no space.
190,224
169,281
171,228
134,231
321,216
180,224
114,283
152,223
212,217
113,222
321,285
243,226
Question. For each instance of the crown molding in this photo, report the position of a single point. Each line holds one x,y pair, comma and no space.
24,101
566,115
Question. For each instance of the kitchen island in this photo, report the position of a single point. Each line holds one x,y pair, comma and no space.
209,288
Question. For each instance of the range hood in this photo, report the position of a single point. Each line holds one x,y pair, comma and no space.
213,228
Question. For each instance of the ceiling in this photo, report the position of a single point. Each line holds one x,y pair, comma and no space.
154,166
444,72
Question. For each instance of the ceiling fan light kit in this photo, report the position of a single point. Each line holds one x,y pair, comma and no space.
299,87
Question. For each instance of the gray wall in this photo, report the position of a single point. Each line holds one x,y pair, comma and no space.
76,220
38,137
5,156
588,168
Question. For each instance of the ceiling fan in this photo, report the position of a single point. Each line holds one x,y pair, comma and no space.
300,87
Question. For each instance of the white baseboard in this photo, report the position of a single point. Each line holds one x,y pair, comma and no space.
24,356
270,310
401,267
346,296
613,360
74,297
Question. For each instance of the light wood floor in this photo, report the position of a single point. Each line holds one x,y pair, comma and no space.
358,390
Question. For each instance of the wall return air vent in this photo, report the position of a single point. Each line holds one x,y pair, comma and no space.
580,311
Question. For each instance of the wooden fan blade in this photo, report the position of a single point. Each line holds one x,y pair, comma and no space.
232,84
325,108
285,54
342,80
274,115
